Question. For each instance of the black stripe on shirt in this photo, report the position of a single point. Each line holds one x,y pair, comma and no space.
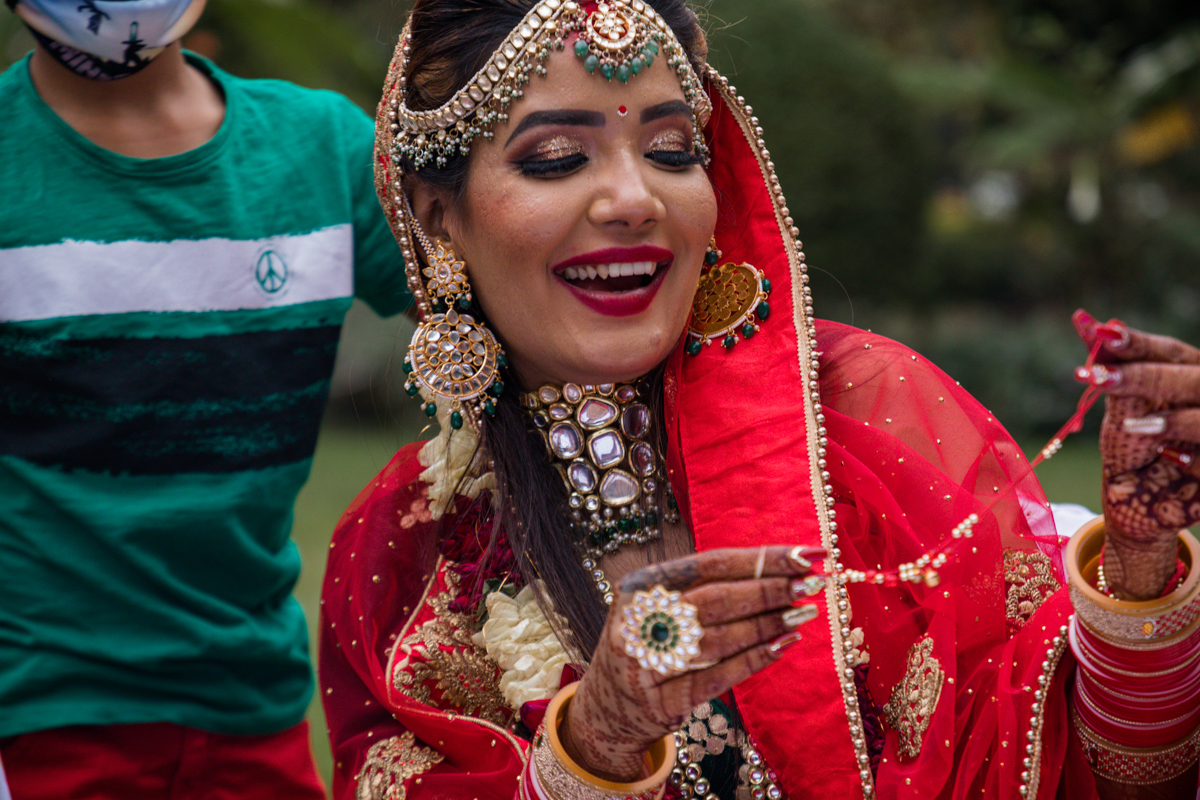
162,406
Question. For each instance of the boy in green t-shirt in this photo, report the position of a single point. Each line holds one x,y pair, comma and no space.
178,248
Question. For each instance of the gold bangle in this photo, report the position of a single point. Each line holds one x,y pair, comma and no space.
563,779
1129,765
1146,624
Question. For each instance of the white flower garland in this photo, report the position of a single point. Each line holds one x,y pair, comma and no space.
517,635
447,459
519,638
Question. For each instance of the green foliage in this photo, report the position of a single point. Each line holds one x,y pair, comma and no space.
15,41
847,144
305,42
1067,172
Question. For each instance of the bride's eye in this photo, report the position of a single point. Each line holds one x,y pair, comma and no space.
671,148
553,157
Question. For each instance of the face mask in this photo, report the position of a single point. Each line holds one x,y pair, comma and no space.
107,39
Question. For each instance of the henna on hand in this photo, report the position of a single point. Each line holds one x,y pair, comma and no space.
1150,492
620,709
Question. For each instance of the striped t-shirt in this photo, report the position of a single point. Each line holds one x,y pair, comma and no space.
167,335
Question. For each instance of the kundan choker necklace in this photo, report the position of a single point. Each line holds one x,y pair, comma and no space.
598,438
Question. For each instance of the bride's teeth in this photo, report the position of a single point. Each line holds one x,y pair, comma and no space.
604,271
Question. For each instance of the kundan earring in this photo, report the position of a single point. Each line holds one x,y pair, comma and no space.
452,356
730,303
447,276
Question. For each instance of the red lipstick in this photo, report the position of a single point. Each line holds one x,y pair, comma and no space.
618,303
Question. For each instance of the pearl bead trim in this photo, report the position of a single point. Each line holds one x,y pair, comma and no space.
1031,774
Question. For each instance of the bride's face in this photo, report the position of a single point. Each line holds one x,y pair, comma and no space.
587,178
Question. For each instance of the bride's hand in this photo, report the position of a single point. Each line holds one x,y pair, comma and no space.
620,708
1148,445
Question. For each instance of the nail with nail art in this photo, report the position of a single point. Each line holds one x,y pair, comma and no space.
1146,426
784,642
795,617
1105,377
1173,454
808,587
800,556
1115,334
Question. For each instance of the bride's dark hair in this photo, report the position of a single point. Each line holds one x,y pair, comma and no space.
451,40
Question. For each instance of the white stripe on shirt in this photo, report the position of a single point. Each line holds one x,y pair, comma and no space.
76,278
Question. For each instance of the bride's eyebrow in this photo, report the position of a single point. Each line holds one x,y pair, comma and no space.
667,109
587,119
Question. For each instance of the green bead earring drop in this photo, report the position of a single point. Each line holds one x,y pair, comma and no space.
731,301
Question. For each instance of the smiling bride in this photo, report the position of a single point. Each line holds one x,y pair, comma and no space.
679,537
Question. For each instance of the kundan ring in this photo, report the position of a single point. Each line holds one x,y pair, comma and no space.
661,631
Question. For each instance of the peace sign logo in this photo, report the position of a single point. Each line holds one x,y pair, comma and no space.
271,272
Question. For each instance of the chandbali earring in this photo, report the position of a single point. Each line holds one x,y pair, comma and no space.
730,303
452,356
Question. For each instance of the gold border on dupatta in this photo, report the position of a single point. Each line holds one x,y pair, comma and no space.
806,333
432,712
1032,774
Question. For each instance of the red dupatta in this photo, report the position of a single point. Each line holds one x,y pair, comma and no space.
890,459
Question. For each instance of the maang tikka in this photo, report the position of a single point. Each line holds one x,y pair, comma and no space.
614,38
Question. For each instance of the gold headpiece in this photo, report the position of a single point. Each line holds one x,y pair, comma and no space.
618,38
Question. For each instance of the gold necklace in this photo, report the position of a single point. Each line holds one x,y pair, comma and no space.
598,438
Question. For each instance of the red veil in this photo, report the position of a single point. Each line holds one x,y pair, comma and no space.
890,458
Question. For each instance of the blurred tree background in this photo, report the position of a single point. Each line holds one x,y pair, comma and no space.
965,174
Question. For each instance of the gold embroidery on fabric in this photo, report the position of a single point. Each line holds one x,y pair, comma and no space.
389,766
439,665
915,698
1028,579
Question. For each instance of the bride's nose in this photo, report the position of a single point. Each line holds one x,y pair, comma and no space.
626,196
